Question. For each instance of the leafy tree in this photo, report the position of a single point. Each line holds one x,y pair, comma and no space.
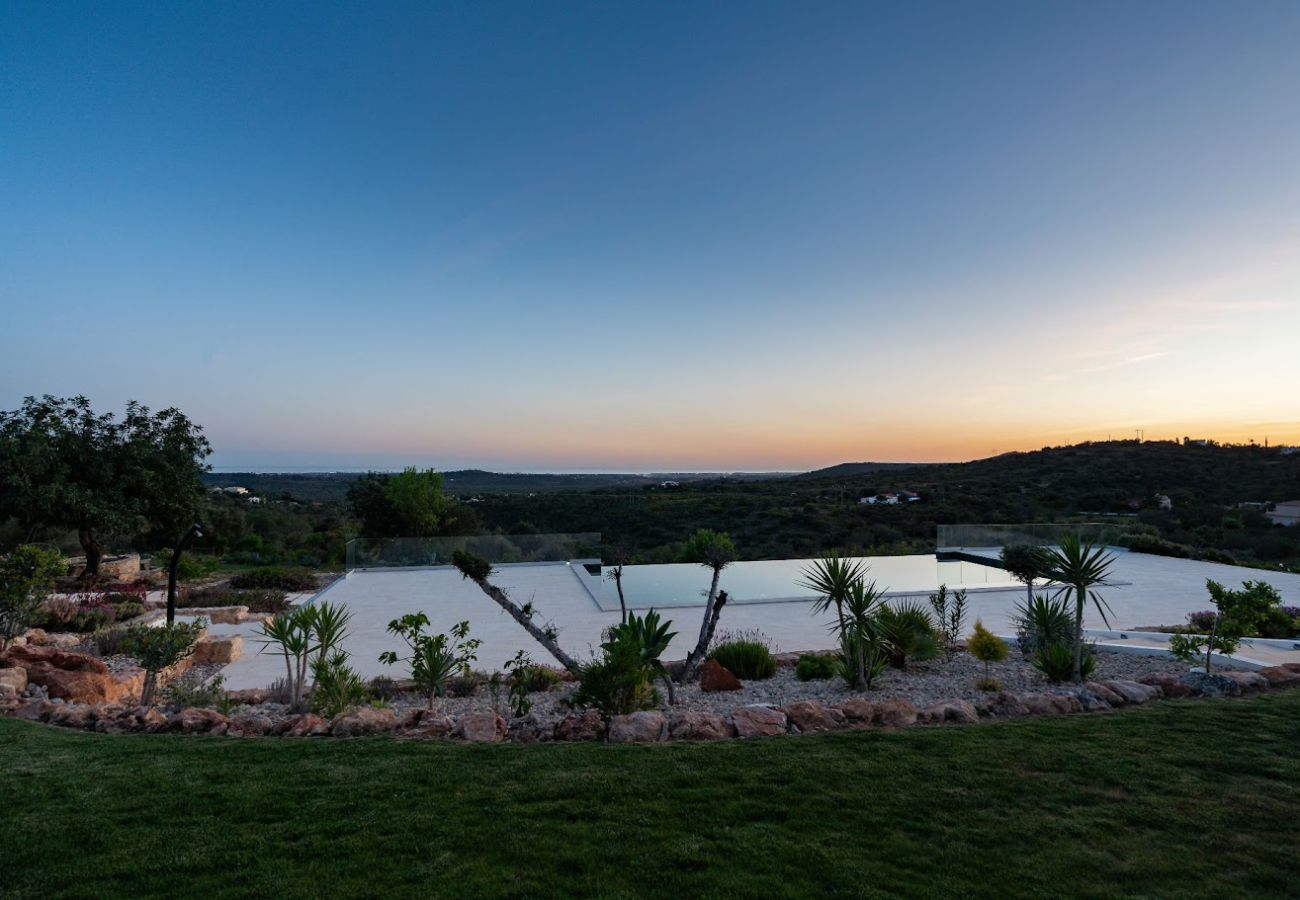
160,646
26,578
62,465
409,504
1236,615
1025,563
1081,567
714,551
434,657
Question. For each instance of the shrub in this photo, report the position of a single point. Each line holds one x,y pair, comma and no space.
60,610
434,657
536,678
950,614
987,684
1056,661
114,641
905,632
336,685
1275,623
160,646
26,577
276,578
746,659
464,685
263,600
383,688
190,568
125,611
207,695
618,683
988,648
816,667
1043,622
1202,620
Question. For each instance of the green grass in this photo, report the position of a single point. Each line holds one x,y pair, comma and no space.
1184,798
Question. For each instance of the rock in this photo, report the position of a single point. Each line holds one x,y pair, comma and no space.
197,720
809,715
1091,701
857,712
218,649
15,679
34,710
75,677
1002,705
361,720
1210,684
1132,691
1292,666
698,726
250,725
305,725
145,718
480,727
250,696
73,715
1276,676
758,721
1051,704
431,726
1169,685
949,711
7,693
1101,690
584,726
894,713
530,729
644,726
714,676
1251,682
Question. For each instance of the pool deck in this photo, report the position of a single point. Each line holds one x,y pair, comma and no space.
1149,590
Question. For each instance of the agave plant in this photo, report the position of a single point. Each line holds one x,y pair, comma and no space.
1080,568
653,636
906,631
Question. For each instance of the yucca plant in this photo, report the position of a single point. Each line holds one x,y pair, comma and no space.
291,631
906,631
1081,568
831,577
862,651
1043,621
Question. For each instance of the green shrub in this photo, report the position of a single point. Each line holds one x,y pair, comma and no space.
190,568
263,600
988,684
987,647
208,695
617,684
816,667
1274,623
336,685
906,631
276,578
1043,622
434,658
114,640
535,677
124,611
1056,661
160,646
748,660
383,688
464,685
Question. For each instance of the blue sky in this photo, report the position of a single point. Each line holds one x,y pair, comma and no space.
639,236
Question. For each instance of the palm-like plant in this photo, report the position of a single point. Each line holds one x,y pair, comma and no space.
859,632
291,631
654,637
1081,568
832,577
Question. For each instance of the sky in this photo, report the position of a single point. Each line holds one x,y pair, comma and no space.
655,236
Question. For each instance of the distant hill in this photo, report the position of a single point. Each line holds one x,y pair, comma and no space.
844,470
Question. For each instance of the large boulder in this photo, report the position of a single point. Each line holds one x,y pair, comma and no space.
35,710
530,729
1132,691
15,679
809,715
480,727
714,676
698,726
73,715
305,725
198,720
1211,684
1002,705
249,724
218,648
426,724
1104,692
857,712
961,712
583,726
1276,676
1169,684
1051,704
75,677
642,727
145,718
1251,682
361,720
758,721
894,713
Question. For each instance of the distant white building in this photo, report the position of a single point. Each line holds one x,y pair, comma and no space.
890,499
1287,513
235,490
1163,501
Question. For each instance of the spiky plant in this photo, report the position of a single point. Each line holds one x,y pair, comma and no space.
831,577
1080,568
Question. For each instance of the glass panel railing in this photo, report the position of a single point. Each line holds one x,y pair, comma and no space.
409,552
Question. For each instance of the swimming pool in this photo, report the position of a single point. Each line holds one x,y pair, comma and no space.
777,580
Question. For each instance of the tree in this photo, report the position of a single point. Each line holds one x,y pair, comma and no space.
715,552
618,559
832,577
434,657
1236,615
26,578
161,646
1025,563
409,504
1081,567
64,466
987,647
479,570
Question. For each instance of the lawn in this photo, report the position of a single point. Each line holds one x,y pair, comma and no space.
1184,798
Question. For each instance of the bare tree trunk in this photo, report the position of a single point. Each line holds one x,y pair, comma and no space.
1078,635
1209,645
94,553
618,583
710,624
526,621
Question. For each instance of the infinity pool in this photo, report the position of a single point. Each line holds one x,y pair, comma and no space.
777,580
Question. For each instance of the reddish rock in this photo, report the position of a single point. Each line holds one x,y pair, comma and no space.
1250,682
1169,685
894,713
961,712
74,677
584,726
1279,676
362,720
698,726
73,715
145,718
714,676
641,727
250,696
480,727
197,720
305,725
530,729
14,679
809,715
857,712
250,725
1100,689
34,710
1292,666
1132,691
758,721
1051,704
1002,705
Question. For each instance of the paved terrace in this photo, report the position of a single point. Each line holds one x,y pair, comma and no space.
1151,590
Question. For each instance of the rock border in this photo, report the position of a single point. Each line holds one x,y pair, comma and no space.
653,726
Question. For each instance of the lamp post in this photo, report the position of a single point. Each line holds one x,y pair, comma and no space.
194,532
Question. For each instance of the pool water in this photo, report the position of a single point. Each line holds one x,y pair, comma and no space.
777,580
